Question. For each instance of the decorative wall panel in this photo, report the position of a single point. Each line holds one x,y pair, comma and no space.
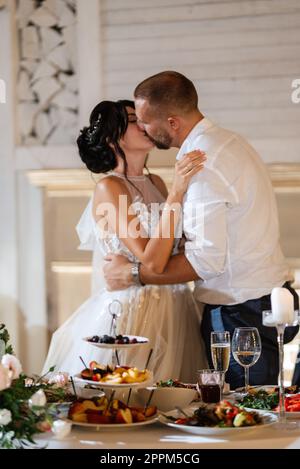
47,89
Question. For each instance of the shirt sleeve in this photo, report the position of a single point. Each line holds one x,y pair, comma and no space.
207,201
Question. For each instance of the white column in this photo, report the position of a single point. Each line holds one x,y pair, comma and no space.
9,312
32,274
22,270
89,49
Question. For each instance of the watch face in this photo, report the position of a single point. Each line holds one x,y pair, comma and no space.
135,274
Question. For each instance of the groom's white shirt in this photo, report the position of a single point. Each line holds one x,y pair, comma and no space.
234,246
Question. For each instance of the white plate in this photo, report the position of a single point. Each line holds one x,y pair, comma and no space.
265,387
289,415
141,341
115,426
101,385
268,419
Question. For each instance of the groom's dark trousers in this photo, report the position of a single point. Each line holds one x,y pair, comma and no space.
227,318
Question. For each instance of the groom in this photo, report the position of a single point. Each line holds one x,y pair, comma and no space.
239,260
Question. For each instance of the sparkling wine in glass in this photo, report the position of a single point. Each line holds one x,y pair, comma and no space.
220,350
246,348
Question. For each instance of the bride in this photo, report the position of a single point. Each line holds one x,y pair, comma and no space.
114,144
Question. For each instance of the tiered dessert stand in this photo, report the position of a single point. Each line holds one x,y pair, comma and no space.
115,309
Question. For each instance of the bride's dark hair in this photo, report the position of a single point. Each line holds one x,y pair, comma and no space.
98,144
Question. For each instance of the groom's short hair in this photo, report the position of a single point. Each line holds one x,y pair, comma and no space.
168,91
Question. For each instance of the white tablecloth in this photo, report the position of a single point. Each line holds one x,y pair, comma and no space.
157,435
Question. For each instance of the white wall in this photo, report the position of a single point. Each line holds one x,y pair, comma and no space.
9,311
22,286
242,56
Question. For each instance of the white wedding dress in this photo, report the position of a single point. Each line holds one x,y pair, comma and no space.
167,314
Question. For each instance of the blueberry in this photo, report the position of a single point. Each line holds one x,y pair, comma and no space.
95,338
105,339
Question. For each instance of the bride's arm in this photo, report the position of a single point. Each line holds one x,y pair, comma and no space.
178,270
153,253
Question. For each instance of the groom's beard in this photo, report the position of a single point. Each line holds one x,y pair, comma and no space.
162,141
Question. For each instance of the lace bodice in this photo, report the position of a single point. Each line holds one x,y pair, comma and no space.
147,203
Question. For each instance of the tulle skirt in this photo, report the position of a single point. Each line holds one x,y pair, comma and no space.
167,315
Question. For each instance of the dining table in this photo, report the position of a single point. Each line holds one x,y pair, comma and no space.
160,436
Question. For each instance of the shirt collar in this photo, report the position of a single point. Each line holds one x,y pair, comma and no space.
200,128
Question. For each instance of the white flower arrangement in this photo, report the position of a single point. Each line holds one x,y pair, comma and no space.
24,410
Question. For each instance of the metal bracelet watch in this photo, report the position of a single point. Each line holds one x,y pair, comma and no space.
135,272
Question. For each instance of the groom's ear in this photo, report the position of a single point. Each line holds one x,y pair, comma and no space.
174,122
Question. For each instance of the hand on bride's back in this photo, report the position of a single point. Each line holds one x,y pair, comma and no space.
190,164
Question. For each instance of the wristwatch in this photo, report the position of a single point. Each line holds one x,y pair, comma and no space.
135,272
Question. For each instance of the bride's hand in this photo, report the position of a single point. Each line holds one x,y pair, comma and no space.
185,169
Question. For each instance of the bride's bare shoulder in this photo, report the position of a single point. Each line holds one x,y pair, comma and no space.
109,188
109,184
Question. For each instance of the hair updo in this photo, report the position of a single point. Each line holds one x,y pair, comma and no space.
98,144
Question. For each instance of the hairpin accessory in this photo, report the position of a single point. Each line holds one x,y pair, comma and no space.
92,130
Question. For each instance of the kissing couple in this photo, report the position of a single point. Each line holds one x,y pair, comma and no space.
222,228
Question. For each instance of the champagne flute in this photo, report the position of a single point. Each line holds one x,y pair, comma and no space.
246,349
220,351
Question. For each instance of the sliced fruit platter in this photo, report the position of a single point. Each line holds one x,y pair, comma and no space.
116,342
102,411
110,375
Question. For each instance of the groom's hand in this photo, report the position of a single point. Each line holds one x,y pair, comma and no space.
117,272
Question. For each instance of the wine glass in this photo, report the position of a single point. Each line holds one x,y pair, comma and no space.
209,385
220,351
246,348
